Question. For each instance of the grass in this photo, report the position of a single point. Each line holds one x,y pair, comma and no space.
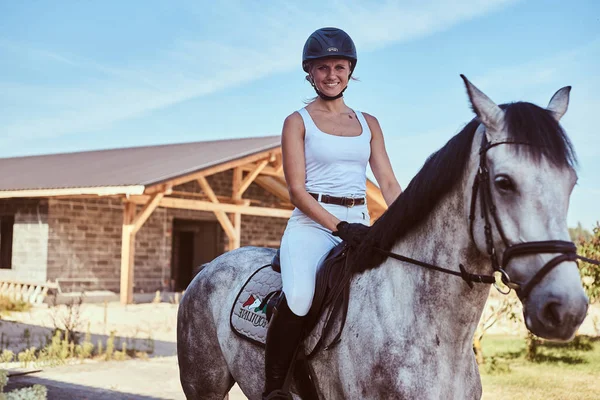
64,345
7,305
560,371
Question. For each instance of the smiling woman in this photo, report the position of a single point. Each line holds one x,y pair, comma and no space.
326,148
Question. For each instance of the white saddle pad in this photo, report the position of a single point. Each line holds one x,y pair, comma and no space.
249,320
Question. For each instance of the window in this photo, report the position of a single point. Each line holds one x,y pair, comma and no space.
6,241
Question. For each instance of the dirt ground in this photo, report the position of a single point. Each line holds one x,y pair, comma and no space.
145,326
153,378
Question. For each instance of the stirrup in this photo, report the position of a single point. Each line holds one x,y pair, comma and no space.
277,395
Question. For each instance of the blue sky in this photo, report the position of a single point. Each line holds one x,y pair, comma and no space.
90,75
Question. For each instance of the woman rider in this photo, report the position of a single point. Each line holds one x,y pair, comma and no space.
326,147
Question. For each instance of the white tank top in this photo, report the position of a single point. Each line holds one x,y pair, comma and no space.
336,165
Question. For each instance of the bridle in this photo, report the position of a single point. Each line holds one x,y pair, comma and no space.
482,185
482,188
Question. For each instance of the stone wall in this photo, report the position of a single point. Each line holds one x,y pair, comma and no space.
30,238
85,245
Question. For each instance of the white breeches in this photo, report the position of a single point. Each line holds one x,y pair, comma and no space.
303,246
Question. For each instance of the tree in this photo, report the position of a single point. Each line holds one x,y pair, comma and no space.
590,273
579,233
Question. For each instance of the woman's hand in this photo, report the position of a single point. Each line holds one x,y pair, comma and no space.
353,234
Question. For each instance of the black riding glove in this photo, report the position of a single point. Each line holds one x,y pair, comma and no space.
353,233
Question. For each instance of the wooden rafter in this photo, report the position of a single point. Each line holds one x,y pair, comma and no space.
142,217
268,170
221,216
79,191
215,169
200,205
250,178
236,184
202,196
275,186
278,164
236,196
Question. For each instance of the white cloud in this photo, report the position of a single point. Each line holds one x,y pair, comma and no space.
559,69
190,68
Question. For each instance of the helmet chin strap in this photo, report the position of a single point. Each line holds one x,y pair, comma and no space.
329,98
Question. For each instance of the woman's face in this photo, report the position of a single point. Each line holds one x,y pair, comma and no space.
330,75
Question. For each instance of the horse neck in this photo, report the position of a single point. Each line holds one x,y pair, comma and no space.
442,239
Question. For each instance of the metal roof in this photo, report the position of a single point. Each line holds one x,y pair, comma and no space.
132,167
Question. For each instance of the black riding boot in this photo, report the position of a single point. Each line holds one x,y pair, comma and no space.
283,337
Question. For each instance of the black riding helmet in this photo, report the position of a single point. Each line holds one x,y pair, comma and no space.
329,42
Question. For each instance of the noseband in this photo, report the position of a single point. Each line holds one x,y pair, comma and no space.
567,251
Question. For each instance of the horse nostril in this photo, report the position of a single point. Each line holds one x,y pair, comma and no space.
552,313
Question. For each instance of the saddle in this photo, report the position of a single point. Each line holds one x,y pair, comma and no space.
253,306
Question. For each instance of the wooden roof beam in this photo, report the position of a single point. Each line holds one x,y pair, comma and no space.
215,169
143,216
274,186
278,164
250,178
221,216
199,205
77,191
268,170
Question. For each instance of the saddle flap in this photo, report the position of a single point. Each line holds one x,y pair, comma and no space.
248,317
250,313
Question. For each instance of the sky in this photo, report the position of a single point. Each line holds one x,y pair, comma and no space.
78,76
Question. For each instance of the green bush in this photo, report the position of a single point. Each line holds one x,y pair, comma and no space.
590,273
8,305
35,392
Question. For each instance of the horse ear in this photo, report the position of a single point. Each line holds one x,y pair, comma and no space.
559,102
488,112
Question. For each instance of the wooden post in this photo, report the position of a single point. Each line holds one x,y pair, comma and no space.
127,254
236,218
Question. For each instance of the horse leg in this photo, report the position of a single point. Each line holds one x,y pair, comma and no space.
203,371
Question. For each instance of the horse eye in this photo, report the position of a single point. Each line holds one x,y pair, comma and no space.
504,183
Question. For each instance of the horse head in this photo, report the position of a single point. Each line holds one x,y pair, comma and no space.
518,208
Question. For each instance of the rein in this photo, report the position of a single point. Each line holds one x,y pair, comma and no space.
482,186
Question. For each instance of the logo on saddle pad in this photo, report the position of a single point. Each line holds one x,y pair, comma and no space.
251,311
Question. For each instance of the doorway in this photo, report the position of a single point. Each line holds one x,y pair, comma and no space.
194,243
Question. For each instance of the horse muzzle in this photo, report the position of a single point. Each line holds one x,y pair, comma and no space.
555,311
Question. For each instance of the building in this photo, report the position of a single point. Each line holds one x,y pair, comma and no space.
143,218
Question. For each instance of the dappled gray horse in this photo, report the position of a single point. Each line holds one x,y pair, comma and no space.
495,197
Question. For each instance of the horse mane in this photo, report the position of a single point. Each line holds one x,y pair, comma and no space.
525,122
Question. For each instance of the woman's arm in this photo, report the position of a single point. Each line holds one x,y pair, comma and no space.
294,168
380,163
